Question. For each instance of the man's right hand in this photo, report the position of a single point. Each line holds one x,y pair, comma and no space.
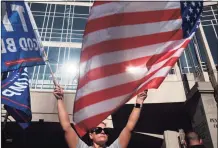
58,92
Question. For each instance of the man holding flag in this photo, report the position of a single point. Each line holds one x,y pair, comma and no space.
99,134
128,47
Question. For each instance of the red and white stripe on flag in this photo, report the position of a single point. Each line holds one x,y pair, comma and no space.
128,47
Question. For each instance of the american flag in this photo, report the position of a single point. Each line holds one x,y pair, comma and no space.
129,47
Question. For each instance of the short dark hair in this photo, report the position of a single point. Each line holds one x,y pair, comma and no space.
192,136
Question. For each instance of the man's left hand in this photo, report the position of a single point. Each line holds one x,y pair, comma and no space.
141,97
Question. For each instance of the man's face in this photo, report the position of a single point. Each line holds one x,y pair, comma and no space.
98,135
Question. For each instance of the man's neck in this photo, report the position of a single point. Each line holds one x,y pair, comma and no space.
98,146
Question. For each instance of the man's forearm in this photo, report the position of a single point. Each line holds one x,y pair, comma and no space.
126,132
70,135
63,115
133,118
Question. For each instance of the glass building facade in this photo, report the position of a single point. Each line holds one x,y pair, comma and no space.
61,26
209,21
60,23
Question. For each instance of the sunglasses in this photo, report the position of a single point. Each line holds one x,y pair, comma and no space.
99,130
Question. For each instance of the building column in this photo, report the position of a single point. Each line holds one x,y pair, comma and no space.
202,108
212,72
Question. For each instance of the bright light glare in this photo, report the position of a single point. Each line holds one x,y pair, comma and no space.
134,70
70,68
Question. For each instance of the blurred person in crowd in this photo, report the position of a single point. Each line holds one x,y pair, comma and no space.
193,140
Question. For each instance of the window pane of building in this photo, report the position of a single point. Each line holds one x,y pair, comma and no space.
63,23
212,41
79,23
210,26
60,8
81,10
36,6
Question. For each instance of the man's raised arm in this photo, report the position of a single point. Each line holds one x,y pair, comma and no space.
125,135
70,135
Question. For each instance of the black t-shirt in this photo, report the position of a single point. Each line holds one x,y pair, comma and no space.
197,146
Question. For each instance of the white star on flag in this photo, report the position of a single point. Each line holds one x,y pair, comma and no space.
188,18
193,3
191,10
188,31
198,9
185,4
195,16
199,3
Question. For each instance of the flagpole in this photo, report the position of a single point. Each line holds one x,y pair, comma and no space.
49,66
39,39
52,73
